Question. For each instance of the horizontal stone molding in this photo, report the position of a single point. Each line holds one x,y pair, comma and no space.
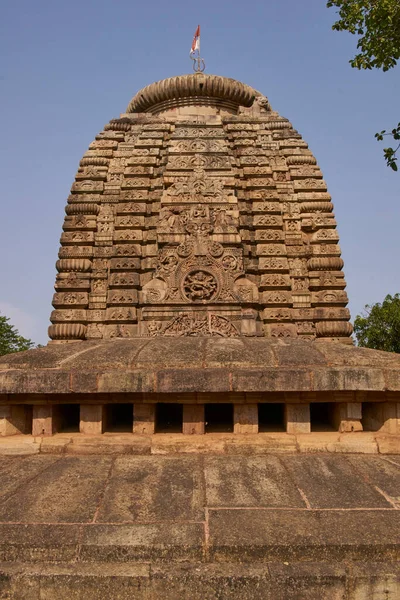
67,331
307,207
96,161
301,159
78,265
331,263
334,329
278,125
85,208
119,125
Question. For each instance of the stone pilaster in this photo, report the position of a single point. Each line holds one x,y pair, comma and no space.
91,419
144,419
44,421
297,417
245,418
193,419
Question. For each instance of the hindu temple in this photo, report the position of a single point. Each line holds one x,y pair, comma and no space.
199,316
200,257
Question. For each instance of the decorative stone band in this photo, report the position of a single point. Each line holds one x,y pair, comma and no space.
96,161
331,263
278,125
67,331
170,92
77,265
82,209
118,125
307,207
301,159
334,329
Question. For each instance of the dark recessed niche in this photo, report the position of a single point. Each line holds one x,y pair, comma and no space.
68,418
322,416
271,417
169,418
218,418
118,418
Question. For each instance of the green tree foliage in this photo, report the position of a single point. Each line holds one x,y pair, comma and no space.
377,23
379,326
10,340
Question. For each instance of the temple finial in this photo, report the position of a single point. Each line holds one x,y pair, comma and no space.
198,63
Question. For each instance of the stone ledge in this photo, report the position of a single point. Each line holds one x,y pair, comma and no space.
199,581
211,443
143,365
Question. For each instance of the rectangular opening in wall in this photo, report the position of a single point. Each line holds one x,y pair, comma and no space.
68,417
218,418
372,416
19,417
271,417
322,416
118,418
169,418
28,416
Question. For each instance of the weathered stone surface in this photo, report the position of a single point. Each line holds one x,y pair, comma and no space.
270,535
71,488
250,531
329,483
160,541
192,364
172,488
246,481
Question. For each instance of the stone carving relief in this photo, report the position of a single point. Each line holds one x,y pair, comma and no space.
283,331
298,267
206,161
198,219
246,290
198,132
198,187
200,285
199,270
194,325
197,145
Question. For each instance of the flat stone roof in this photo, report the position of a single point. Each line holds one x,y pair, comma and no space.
182,365
163,527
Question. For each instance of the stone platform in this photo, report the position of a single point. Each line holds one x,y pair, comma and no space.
239,385
260,444
288,526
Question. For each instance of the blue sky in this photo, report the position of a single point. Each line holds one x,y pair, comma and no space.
67,68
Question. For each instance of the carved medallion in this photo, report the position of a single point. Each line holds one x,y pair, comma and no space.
200,286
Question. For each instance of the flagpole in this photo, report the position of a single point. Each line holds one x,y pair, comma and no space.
198,63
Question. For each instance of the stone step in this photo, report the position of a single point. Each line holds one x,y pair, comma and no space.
227,535
213,443
201,581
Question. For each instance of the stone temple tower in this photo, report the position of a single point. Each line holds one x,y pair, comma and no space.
200,212
199,310
200,285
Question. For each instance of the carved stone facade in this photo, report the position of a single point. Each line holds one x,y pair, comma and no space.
200,212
